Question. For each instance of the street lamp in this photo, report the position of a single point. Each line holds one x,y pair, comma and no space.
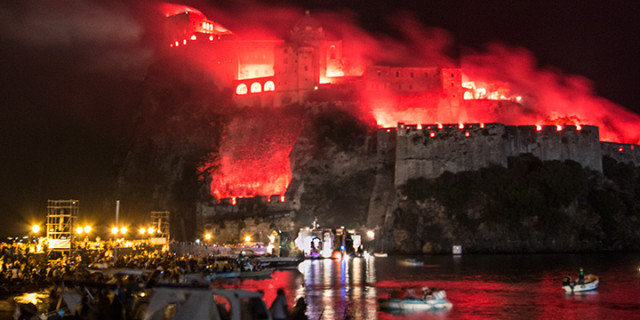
114,230
79,230
87,229
142,230
124,230
207,236
35,228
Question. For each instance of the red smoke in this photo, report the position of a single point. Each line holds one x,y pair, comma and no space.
507,87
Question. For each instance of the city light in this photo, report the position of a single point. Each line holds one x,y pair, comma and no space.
247,239
207,236
79,230
114,230
35,228
87,229
143,230
151,230
371,235
123,230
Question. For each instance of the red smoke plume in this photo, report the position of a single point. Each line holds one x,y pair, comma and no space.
508,85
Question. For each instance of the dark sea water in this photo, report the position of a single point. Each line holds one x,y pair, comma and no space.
479,286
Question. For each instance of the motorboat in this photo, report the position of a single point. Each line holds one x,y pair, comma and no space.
590,283
203,303
414,304
277,262
411,262
226,275
380,254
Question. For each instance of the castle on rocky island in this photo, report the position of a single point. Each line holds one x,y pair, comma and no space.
275,73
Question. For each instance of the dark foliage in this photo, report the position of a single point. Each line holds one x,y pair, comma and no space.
534,197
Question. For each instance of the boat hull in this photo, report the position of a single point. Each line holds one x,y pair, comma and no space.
590,284
414,305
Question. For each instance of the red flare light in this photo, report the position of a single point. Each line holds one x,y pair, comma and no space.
558,127
538,127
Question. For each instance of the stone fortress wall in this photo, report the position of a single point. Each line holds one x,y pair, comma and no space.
430,150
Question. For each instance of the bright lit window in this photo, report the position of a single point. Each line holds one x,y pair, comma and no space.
256,87
241,89
269,86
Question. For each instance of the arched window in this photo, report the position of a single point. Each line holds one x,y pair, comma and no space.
332,52
241,89
269,86
256,87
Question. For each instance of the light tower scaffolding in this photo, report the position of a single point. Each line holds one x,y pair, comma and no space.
62,216
160,221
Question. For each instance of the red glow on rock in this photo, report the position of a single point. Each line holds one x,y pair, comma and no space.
432,134
578,127
538,127
466,134
558,127
254,156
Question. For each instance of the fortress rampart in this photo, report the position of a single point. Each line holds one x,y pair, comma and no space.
621,152
431,149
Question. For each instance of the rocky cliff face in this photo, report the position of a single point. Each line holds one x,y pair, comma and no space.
178,123
333,166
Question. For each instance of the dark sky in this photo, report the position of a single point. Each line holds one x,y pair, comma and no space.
70,74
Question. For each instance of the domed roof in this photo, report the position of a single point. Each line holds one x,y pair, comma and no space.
307,29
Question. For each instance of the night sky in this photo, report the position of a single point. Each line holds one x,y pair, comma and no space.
71,75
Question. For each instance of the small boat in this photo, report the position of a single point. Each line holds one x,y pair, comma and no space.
278,262
414,304
590,283
411,262
198,277
380,254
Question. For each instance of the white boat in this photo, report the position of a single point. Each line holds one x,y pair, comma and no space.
590,283
414,305
380,254
411,262
173,303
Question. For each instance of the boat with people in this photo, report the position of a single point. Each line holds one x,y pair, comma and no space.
589,283
431,300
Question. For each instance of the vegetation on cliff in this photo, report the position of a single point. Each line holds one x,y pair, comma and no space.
530,206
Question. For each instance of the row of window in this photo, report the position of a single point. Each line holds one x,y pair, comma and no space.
255,87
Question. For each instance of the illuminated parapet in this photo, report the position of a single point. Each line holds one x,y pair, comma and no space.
622,152
428,150
557,142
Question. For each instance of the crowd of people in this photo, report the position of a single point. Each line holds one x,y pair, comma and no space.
110,281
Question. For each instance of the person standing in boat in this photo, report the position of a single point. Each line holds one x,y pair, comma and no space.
581,276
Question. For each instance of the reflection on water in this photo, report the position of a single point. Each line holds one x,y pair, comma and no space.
479,286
